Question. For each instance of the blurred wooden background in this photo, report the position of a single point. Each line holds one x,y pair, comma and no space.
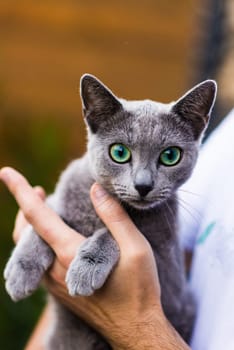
140,49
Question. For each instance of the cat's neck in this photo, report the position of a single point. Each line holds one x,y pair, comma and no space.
158,224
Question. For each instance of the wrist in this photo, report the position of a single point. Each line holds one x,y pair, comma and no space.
150,332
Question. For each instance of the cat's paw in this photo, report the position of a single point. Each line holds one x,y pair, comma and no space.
87,273
22,277
93,263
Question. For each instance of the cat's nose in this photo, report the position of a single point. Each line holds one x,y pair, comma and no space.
143,189
143,182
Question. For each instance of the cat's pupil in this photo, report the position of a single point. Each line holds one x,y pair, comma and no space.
170,154
120,151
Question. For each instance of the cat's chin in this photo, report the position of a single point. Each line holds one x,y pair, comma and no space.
142,205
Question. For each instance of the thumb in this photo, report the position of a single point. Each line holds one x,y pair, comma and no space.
113,216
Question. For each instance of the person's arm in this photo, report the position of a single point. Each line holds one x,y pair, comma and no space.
127,309
157,335
36,340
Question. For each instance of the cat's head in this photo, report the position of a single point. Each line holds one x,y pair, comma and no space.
142,151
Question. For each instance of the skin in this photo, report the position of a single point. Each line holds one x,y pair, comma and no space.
129,315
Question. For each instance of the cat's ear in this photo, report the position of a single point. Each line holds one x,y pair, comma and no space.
196,106
98,101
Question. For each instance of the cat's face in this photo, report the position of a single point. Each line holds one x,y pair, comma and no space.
142,151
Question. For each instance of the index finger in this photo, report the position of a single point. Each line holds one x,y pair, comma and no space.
45,221
20,221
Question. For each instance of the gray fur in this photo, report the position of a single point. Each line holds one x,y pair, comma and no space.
95,259
29,261
145,187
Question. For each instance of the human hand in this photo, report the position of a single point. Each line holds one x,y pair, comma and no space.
127,309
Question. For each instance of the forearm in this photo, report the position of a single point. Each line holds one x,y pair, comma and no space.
37,339
156,334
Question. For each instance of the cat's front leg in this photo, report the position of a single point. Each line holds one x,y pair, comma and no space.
27,264
93,263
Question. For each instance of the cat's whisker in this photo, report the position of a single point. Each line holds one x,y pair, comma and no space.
167,220
119,185
199,214
198,195
170,210
183,205
190,192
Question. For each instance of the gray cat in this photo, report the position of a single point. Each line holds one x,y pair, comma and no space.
140,152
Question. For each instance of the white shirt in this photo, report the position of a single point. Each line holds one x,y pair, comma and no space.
207,228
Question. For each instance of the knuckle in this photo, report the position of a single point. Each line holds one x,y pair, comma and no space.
138,256
31,209
47,232
40,191
29,213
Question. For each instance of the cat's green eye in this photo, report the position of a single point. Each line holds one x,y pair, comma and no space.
120,153
170,156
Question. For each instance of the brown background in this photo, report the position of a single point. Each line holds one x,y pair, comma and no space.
139,48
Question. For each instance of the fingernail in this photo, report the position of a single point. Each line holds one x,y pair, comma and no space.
99,192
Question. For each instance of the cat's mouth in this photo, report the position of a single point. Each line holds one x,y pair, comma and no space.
143,203
137,201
